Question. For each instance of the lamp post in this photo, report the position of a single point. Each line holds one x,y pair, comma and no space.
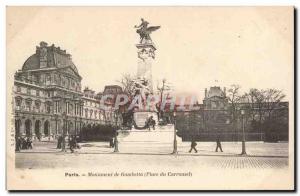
175,141
80,118
63,147
243,139
56,128
116,134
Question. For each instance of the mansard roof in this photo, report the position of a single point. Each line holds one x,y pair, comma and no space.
31,63
56,58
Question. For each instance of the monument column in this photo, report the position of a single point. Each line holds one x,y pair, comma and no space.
146,56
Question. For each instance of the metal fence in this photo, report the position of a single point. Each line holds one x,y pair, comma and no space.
207,125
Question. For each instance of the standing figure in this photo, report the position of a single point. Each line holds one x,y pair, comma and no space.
18,144
111,142
59,141
193,146
144,31
29,143
153,123
72,144
218,143
23,143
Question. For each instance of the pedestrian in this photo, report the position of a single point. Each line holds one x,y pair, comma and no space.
219,146
29,143
147,123
59,141
39,136
111,142
71,144
23,143
193,146
153,123
18,144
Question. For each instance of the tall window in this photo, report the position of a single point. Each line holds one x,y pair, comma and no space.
28,91
70,109
56,107
68,83
28,105
91,113
37,106
37,93
86,113
18,89
18,103
48,78
67,107
48,108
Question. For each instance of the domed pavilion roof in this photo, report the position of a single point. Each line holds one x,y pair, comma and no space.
52,56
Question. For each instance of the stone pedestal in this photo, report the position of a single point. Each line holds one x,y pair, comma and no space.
140,118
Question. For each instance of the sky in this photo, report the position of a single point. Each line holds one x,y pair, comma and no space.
196,47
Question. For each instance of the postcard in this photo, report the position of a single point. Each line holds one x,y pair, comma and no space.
150,98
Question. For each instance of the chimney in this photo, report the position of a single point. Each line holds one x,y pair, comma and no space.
205,92
224,91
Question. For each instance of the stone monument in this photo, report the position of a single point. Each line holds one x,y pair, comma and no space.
143,82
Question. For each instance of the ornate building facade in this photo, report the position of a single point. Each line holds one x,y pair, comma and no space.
48,98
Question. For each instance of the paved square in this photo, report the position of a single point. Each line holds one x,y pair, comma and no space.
156,151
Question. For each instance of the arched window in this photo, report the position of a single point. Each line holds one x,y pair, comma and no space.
28,127
46,128
37,128
17,127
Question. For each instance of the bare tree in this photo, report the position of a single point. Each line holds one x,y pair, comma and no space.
259,105
249,99
233,97
272,98
162,88
127,83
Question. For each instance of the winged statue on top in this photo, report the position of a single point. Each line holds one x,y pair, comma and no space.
144,31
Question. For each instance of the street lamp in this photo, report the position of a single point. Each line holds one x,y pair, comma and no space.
243,139
175,141
116,134
64,132
80,118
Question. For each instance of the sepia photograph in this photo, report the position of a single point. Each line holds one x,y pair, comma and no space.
150,98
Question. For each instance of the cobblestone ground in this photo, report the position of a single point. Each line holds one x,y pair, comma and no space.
156,154
59,159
